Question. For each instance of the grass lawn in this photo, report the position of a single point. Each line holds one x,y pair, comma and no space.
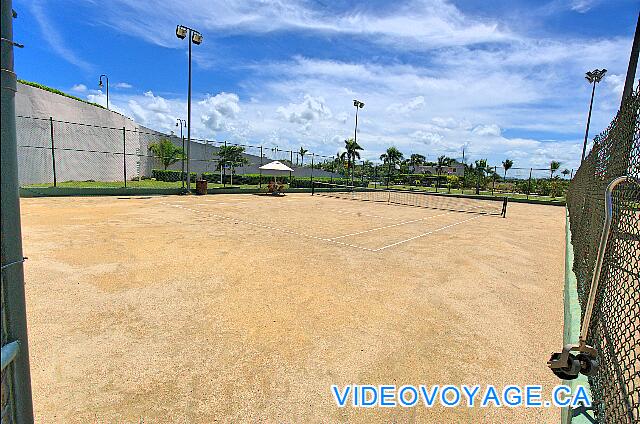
178,184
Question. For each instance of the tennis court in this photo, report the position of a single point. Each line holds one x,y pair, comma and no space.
248,307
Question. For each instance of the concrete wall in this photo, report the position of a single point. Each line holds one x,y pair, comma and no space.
92,143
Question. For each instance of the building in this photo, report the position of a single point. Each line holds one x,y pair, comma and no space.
455,168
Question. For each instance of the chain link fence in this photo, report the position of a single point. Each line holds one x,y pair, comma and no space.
61,153
614,329
53,153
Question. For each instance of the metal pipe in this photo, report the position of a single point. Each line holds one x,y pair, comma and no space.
53,152
606,229
189,121
13,299
124,155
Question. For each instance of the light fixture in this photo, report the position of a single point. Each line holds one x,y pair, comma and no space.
181,32
196,37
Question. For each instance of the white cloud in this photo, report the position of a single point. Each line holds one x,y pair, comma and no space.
50,33
309,110
219,110
488,130
583,6
123,85
418,24
79,88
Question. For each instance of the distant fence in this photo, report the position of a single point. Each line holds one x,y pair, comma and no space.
614,329
52,151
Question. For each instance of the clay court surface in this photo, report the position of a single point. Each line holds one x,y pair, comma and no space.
245,308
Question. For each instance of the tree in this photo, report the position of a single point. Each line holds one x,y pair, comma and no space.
417,160
302,152
233,156
553,167
506,164
352,147
167,152
393,156
481,169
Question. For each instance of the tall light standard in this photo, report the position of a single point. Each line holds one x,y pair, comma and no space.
100,85
182,123
196,38
358,105
593,77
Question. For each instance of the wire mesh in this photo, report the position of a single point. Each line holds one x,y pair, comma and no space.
614,329
414,198
7,400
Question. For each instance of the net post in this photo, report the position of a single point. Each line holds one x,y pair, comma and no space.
313,189
124,155
290,174
529,184
53,152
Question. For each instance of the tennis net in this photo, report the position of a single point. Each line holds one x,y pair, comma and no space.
417,198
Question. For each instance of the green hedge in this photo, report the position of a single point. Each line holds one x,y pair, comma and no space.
169,175
254,179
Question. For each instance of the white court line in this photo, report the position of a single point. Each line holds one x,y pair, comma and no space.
268,227
390,226
426,234
362,214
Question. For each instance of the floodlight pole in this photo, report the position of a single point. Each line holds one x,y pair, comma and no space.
181,32
100,84
358,105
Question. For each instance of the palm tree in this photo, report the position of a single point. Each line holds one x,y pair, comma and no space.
166,152
506,164
352,148
393,156
565,172
417,160
481,169
553,167
302,152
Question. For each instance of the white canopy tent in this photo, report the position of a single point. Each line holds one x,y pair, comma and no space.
276,166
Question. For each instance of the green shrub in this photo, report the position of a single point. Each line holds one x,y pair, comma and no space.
169,175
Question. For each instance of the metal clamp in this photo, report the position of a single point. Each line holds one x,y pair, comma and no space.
5,266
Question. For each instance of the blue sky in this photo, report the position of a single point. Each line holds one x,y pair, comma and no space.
500,78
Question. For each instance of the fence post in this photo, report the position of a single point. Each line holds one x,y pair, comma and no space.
493,186
224,166
529,184
333,170
13,299
375,176
124,154
260,177
362,175
312,155
53,153
290,174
